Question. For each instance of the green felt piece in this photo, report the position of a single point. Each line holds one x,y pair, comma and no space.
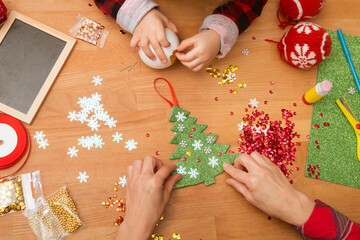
193,144
337,155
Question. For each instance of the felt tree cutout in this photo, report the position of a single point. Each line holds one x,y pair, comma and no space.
200,159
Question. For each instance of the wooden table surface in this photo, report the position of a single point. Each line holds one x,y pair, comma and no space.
213,212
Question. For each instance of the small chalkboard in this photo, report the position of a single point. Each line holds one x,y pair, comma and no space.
31,56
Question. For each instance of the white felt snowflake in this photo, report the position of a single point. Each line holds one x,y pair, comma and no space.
245,51
181,127
193,173
98,141
111,122
97,80
256,129
81,140
82,177
72,152
180,116
207,150
117,137
210,139
241,126
230,77
94,125
253,103
43,143
122,181
213,161
181,170
197,145
131,144
39,135
351,90
183,143
72,116
88,143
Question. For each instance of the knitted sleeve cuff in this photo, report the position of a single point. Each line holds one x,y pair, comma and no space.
226,28
132,11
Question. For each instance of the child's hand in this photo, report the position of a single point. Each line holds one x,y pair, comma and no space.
264,185
152,29
148,189
205,46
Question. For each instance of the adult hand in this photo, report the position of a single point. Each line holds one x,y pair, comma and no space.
148,189
205,46
264,185
151,29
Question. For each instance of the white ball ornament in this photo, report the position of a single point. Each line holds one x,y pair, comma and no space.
157,64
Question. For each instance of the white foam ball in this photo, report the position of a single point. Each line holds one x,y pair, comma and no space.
157,64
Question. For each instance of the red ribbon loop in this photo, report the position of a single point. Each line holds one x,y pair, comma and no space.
171,90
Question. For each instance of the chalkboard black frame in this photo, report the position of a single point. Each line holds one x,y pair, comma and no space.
28,100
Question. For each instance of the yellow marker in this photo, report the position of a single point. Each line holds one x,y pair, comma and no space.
316,93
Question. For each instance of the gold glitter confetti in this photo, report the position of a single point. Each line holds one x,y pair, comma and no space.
11,196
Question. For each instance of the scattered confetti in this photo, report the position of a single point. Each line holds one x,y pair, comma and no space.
253,103
122,181
245,52
131,144
72,152
40,139
351,90
82,177
241,126
117,137
89,142
228,76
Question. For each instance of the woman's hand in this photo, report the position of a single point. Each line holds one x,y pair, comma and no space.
151,29
264,185
148,190
205,46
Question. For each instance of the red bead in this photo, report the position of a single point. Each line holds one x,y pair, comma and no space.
190,135
295,104
231,113
297,169
147,135
310,174
265,102
291,181
198,160
90,4
295,113
317,141
216,99
326,124
318,166
357,126
321,115
271,91
254,38
193,129
246,109
157,153
272,82
316,126
219,153
231,91
269,218
308,136
318,146
317,176
184,159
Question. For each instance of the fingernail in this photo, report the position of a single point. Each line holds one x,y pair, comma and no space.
225,164
164,61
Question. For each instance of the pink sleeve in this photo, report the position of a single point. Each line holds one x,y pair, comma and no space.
225,27
132,11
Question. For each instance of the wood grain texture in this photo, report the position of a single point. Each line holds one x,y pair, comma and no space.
213,212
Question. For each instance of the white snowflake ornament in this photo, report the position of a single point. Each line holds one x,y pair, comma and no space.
82,177
351,90
122,181
97,80
72,152
117,137
131,144
253,103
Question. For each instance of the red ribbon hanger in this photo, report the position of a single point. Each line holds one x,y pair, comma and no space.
171,90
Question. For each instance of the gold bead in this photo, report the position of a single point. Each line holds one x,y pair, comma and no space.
240,85
235,91
244,85
188,153
153,235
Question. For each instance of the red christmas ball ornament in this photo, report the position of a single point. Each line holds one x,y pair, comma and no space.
305,45
298,10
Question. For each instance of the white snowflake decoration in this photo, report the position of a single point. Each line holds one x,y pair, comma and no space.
131,144
183,143
91,141
210,139
122,181
98,141
39,135
229,76
117,137
241,126
197,145
82,177
304,58
40,139
306,27
92,111
43,143
181,127
97,80
193,173
256,129
213,161
181,170
180,116
245,51
207,150
253,103
351,90
72,152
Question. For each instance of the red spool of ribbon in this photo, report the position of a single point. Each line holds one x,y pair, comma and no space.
14,142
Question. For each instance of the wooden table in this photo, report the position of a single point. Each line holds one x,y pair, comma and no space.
214,212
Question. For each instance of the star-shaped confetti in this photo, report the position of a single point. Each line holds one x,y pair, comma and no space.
97,80
117,137
131,144
245,52
351,90
72,152
82,177
253,103
122,181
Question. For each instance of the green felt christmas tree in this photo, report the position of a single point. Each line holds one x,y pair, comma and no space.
200,159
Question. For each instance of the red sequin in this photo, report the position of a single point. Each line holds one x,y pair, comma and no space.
326,124
193,129
219,153
184,159
216,99
254,38
297,168
265,102
295,104
271,91
318,146
157,153
90,4
231,91
308,136
269,218
246,109
291,181
272,82
231,113
310,174
317,141
198,160
318,166
316,126
321,115
190,135
147,135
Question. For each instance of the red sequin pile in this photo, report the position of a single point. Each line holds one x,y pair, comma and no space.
274,139
312,170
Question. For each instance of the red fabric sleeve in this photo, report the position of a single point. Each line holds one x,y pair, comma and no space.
110,7
325,223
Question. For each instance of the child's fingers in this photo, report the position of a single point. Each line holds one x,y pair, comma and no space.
172,27
198,68
158,50
134,43
144,44
240,187
161,37
191,65
188,57
170,183
189,42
